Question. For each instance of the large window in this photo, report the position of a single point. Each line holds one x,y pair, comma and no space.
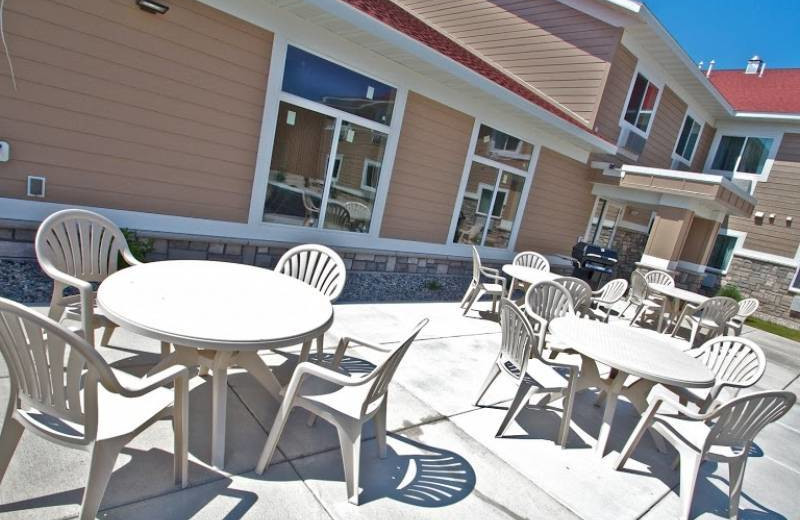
722,252
491,203
687,139
642,104
330,140
742,154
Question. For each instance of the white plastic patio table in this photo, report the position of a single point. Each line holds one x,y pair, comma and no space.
528,275
216,314
676,295
628,352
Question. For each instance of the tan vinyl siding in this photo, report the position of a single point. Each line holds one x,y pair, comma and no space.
664,132
612,103
120,108
550,46
699,241
779,195
428,167
703,147
558,206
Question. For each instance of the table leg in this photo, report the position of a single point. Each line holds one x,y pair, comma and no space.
612,393
256,367
305,351
219,406
181,356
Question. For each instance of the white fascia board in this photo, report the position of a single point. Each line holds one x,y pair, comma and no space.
374,26
769,116
705,178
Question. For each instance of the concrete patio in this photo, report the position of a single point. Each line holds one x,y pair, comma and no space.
444,461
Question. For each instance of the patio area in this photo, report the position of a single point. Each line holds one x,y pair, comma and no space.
443,458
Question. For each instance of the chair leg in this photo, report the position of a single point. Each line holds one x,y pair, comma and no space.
520,400
305,351
636,436
690,467
467,295
165,349
490,377
476,293
320,347
104,455
274,434
636,314
56,307
108,330
350,444
566,418
736,478
9,439
180,427
380,427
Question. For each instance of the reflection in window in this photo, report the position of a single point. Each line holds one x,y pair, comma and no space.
503,148
322,81
604,223
742,154
642,103
687,139
722,252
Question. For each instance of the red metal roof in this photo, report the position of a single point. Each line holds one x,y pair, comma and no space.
777,90
401,20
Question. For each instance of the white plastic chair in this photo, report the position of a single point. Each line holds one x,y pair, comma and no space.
345,401
723,435
478,287
747,308
640,299
735,362
529,259
659,278
75,247
579,290
606,297
521,358
321,268
63,391
712,315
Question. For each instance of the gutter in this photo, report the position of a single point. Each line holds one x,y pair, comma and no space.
368,20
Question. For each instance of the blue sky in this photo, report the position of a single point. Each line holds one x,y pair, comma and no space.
730,31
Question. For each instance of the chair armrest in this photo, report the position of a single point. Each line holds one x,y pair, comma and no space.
307,368
683,410
352,340
494,274
598,292
68,279
490,271
147,384
127,255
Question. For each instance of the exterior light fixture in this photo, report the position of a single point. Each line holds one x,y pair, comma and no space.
151,6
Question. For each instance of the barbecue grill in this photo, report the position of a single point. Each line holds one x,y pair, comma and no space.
592,262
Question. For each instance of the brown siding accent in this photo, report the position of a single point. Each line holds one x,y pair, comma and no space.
779,195
550,46
699,241
668,235
664,133
558,206
119,108
703,147
428,166
616,89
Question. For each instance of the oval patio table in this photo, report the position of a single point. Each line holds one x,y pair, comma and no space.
217,315
628,351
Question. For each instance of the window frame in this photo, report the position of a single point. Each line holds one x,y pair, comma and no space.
527,176
795,279
651,79
737,246
675,155
367,163
745,131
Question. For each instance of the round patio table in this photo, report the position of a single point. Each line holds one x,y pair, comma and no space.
217,315
628,351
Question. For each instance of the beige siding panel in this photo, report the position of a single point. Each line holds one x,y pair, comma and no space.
558,206
699,241
122,109
779,195
429,163
612,103
703,147
552,47
664,133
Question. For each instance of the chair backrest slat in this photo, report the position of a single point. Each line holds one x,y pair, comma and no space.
387,369
659,277
533,260
739,420
80,243
579,290
52,370
315,265
517,338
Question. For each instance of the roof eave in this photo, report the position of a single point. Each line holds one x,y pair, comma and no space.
768,116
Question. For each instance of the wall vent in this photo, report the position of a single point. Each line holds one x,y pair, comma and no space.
36,186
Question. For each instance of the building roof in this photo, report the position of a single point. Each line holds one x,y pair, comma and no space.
401,20
776,91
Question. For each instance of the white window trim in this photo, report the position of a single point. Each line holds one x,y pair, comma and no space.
744,131
527,176
367,164
491,187
273,97
675,155
792,288
652,78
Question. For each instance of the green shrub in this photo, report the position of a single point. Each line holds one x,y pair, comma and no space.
731,291
433,285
